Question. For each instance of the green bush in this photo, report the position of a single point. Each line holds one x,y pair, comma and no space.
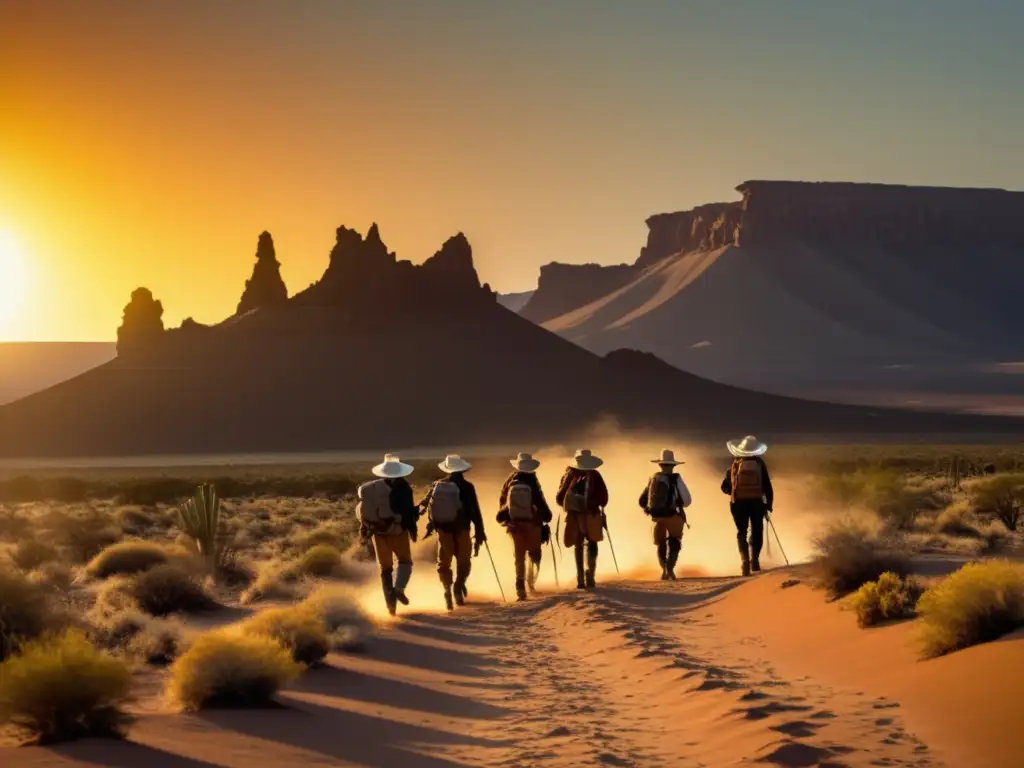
127,557
296,628
62,687
891,597
165,589
849,556
980,602
25,611
226,668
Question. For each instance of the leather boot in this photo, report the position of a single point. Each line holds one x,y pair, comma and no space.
591,562
402,577
460,593
744,553
663,559
674,546
448,598
755,564
520,590
389,591
580,580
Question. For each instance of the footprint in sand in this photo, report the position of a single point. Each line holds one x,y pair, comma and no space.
799,729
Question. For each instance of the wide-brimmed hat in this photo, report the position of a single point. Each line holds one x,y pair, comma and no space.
524,462
454,463
584,459
392,467
747,447
667,457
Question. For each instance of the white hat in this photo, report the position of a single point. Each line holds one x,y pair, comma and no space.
667,457
392,467
584,459
454,463
524,462
748,446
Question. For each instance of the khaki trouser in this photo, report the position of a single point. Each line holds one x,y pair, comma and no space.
525,541
667,527
458,546
581,527
391,547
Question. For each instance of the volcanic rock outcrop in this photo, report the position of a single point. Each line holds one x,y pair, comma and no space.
142,324
265,288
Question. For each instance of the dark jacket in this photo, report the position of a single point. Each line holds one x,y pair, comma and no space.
597,493
530,479
470,513
766,485
402,503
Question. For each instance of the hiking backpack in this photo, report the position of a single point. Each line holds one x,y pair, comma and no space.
445,503
576,497
660,492
746,480
520,503
374,507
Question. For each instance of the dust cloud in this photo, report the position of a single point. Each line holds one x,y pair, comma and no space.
709,544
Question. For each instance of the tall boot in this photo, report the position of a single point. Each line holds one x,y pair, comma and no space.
580,580
520,590
448,598
663,559
591,562
744,554
389,590
402,577
460,592
674,546
532,572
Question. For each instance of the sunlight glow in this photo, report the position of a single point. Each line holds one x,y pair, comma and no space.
13,282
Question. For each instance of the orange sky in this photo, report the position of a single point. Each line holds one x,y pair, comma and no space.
146,143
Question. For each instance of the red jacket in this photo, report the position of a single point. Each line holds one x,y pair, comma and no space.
597,492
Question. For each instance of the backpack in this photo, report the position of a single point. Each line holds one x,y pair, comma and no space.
576,498
445,503
746,480
660,492
374,507
520,503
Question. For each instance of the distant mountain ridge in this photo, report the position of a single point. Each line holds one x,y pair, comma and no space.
381,353
27,367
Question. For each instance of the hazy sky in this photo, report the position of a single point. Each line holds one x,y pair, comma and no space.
149,143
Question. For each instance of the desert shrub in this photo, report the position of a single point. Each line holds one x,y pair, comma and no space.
62,687
330,534
226,668
158,641
114,596
165,589
891,597
114,630
297,628
849,556
148,492
321,560
135,521
13,526
955,520
53,575
84,536
30,554
25,611
980,602
126,557
1000,496
348,627
274,581
889,492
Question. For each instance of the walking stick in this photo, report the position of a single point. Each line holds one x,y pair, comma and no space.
496,577
554,562
777,540
611,544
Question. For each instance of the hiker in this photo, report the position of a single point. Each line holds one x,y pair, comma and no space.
750,497
451,506
525,514
388,516
583,495
665,499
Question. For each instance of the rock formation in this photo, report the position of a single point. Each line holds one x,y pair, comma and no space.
563,286
265,288
142,324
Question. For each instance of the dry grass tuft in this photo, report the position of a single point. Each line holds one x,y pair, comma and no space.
850,555
891,597
25,611
29,554
321,561
227,668
126,557
347,624
167,588
296,628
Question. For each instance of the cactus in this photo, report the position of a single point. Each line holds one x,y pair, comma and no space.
200,520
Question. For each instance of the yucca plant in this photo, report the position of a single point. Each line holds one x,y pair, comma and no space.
200,520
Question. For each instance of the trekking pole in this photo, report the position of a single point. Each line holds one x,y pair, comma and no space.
554,562
611,544
496,577
777,540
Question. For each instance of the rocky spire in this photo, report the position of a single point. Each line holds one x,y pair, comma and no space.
142,324
453,265
265,288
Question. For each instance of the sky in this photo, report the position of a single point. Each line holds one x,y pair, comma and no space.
149,143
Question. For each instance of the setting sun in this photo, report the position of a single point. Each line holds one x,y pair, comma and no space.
13,281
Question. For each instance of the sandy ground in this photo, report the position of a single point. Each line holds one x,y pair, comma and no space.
701,672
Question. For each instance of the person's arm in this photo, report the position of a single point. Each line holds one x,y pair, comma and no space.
727,483
472,505
600,491
563,487
766,485
503,498
685,499
542,503
643,499
426,499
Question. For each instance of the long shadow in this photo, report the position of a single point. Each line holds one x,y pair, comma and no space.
124,754
650,600
449,662
425,627
369,741
372,689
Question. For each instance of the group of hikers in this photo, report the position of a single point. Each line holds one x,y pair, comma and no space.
389,517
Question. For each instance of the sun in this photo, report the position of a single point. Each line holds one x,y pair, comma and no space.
13,281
